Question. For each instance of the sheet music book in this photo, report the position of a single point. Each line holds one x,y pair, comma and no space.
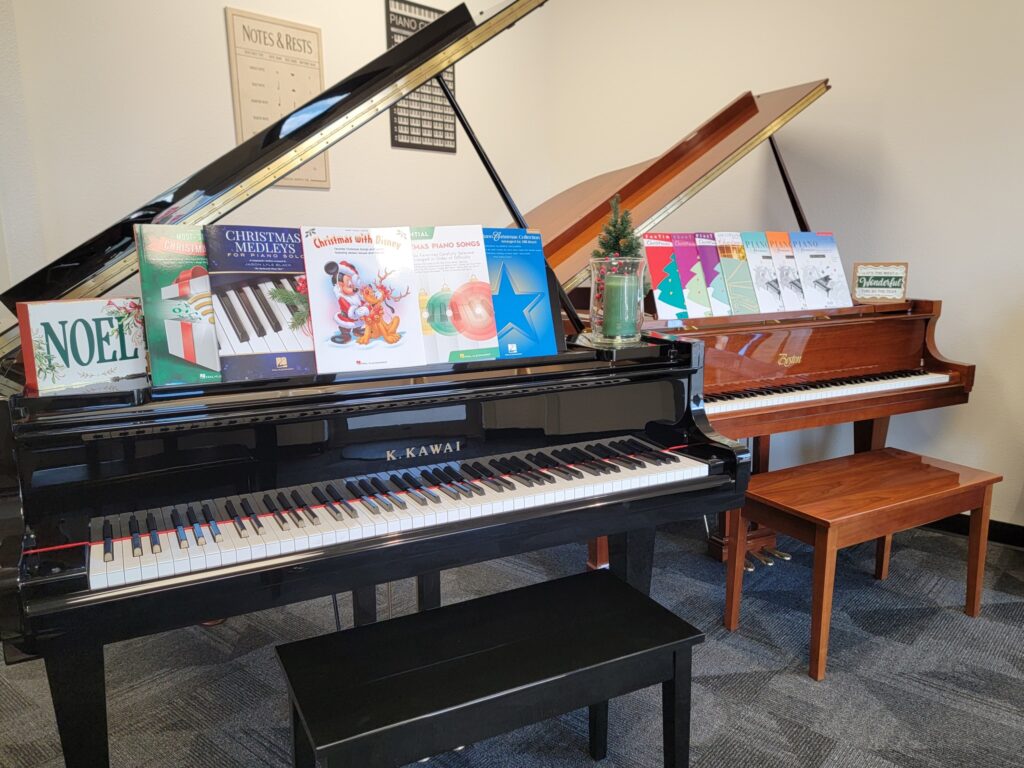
258,283
736,271
763,272
821,270
176,300
709,261
789,274
691,275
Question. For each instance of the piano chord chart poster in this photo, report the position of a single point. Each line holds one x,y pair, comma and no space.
276,67
260,302
423,119
363,299
176,300
456,308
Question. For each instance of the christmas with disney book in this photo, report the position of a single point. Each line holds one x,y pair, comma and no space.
397,297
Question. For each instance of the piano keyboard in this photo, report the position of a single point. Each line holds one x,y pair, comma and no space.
250,321
154,544
822,390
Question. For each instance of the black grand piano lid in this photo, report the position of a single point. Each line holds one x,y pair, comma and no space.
108,259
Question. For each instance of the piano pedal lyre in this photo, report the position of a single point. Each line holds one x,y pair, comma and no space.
761,558
748,565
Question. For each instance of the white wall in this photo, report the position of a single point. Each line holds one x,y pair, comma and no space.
915,154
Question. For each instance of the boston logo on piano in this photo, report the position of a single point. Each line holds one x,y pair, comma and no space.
417,451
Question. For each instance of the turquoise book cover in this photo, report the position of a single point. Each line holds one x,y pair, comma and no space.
523,309
712,265
736,271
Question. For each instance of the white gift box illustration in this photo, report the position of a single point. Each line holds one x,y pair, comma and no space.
193,342
189,283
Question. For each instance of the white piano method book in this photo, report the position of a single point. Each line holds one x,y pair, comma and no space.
258,282
763,272
821,270
789,276
363,298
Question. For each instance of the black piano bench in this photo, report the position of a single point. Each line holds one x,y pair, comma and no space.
387,694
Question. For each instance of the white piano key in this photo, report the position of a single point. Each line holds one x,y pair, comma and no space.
97,568
223,323
148,561
165,559
257,342
130,565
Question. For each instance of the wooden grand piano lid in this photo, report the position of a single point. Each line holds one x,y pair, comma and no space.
571,221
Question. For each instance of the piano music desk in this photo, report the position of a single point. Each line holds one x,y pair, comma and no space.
850,500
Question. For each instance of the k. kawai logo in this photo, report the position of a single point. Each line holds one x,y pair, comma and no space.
419,451
788,361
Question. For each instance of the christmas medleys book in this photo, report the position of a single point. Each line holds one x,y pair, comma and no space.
84,342
176,298
260,302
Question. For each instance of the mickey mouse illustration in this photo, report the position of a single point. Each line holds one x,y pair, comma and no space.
351,309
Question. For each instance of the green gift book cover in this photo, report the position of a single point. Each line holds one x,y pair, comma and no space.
180,331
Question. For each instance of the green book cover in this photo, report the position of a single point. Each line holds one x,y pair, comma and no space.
736,270
178,307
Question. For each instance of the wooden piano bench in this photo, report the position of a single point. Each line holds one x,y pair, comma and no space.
847,501
387,694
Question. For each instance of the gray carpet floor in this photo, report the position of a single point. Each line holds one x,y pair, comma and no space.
912,681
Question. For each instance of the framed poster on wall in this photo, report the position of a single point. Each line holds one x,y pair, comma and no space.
276,66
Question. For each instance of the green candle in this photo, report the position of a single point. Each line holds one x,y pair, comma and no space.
621,303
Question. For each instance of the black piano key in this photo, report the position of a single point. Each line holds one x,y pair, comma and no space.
532,472
624,452
339,499
108,542
266,309
252,516
153,531
487,472
382,488
416,485
303,505
289,512
133,531
475,474
455,477
357,495
603,451
197,529
639,451
408,490
233,319
371,492
279,518
668,456
504,469
211,520
250,312
333,509
236,518
583,455
437,472
432,481
567,458
179,529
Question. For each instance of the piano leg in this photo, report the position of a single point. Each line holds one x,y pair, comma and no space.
428,591
758,537
75,673
631,557
869,435
364,605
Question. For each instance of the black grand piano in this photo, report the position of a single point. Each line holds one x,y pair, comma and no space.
133,512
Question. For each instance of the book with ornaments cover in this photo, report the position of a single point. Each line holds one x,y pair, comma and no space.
712,265
821,270
454,294
176,300
736,271
763,272
363,298
258,282
789,275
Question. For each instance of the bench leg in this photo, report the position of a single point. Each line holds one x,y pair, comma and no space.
734,568
976,547
428,591
599,730
302,751
821,598
883,547
675,713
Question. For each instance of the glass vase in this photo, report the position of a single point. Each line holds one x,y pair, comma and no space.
616,299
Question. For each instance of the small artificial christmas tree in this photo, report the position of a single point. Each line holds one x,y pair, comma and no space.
618,237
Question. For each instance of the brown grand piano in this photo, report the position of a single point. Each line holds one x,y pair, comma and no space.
766,373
